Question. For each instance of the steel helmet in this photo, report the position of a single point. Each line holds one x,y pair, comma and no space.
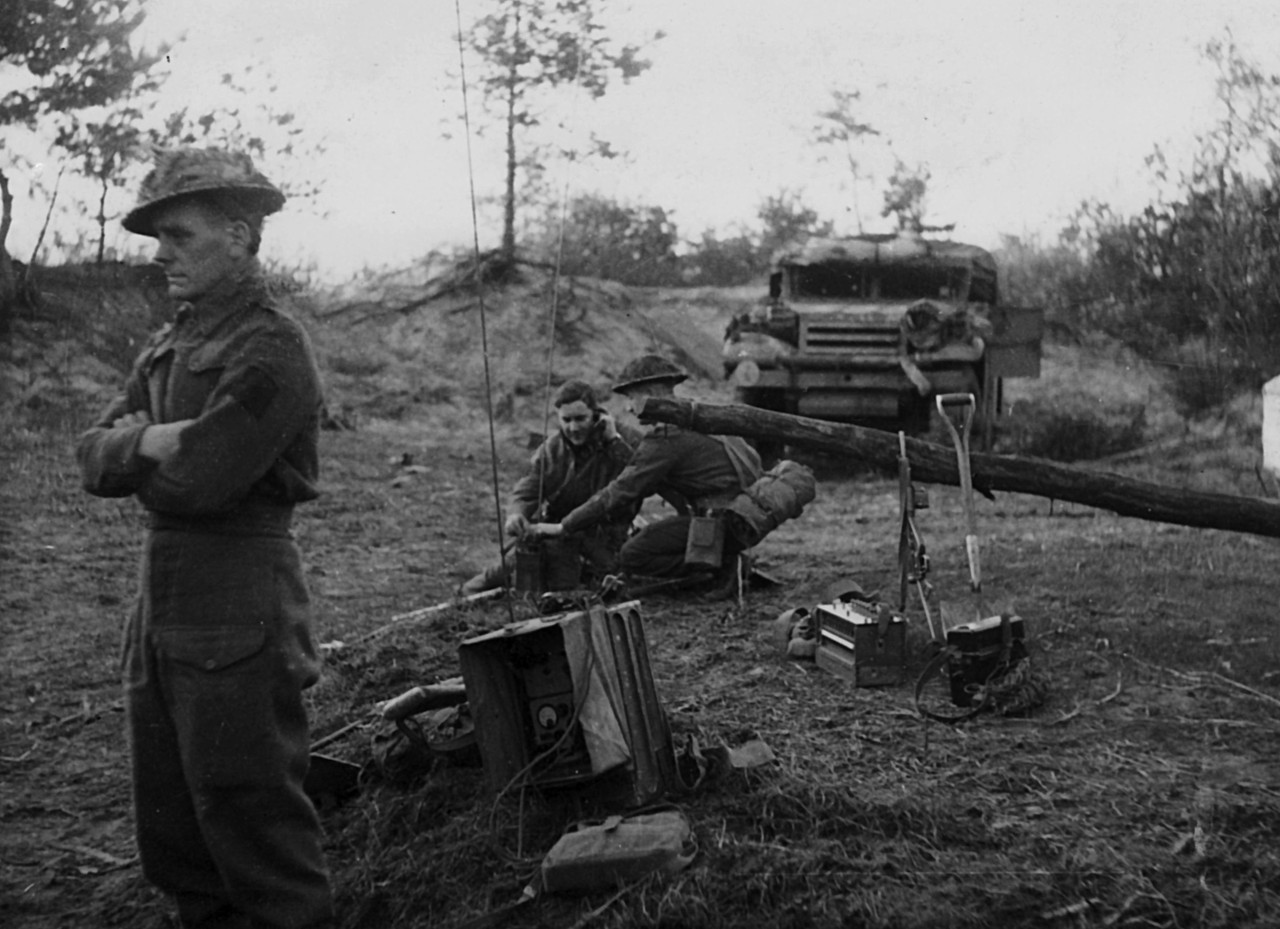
648,369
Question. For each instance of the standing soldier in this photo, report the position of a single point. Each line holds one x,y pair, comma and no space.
216,434
701,474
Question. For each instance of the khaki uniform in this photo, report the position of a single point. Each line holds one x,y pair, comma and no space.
699,473
562,476
218,650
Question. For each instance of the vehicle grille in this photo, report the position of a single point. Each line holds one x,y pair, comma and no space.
840,337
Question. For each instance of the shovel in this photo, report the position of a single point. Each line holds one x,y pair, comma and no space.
957,412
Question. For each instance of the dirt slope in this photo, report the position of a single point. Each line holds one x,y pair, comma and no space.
390,364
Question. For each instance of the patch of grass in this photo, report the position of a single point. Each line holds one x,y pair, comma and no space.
356,365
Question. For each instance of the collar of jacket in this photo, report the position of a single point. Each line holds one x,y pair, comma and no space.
593,444
225,300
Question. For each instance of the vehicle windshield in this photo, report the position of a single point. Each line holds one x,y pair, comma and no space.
833,281
843,282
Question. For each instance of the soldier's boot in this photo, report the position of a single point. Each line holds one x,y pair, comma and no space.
726,583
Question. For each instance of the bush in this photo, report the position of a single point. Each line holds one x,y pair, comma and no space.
1072,429
1202,380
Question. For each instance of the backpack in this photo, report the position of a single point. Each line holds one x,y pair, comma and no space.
780,494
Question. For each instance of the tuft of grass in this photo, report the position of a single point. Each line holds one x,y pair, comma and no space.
355,365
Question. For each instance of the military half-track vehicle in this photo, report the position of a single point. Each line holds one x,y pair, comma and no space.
868,329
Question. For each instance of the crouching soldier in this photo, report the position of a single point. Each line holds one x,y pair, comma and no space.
584,455
216,434
700,474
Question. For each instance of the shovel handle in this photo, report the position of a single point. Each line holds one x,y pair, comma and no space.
946,403
966,405
960,435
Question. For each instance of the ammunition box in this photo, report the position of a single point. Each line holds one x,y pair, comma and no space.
863,643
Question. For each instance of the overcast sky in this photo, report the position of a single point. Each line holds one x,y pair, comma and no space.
1019,109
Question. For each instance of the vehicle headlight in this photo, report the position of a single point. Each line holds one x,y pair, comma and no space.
759,347
746,374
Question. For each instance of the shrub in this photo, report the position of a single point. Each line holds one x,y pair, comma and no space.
1202,380
1072,429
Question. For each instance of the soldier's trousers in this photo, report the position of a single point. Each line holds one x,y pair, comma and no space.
658,549
216,657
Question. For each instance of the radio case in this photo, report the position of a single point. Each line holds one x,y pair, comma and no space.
546,565
568,701
979,654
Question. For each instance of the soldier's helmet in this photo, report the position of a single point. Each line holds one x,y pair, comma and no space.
648,369
194,172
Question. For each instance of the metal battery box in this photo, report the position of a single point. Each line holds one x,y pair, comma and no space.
863,642
546,564
567,701
979,655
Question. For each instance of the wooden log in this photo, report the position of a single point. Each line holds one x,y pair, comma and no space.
936,464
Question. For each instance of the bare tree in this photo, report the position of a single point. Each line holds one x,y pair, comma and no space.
525,47
838,127
907,198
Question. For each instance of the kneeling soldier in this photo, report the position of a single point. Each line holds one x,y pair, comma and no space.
584,455
698,473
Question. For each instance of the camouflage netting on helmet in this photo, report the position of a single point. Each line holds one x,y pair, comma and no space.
185,172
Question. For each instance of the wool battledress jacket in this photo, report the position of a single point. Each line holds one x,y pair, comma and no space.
697,473
248,379
218,650
563,476
704,472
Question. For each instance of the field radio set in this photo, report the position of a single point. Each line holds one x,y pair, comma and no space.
862,642
543,565
567,701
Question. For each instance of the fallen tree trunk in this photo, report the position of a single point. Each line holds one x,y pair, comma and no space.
936,464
